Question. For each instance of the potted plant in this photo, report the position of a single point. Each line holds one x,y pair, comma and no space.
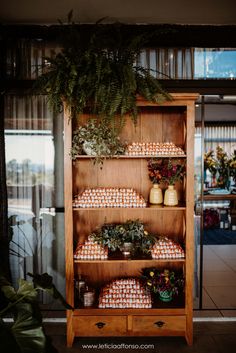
129,237
167,171
96,139
166,284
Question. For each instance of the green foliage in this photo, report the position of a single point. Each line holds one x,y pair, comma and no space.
99,71
97,139
115,235
26,334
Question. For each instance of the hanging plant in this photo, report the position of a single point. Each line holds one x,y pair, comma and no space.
99,71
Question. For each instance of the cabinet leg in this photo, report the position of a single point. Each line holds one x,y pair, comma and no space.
189,339
70,335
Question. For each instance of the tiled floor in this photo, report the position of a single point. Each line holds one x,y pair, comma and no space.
219,278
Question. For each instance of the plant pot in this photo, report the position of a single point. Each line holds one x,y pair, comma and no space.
171,198
155,196
88,148
126,249
165,296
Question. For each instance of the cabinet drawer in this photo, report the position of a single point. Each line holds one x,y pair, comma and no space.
158,325
100,325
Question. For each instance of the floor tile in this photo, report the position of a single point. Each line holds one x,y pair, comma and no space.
215,265
224,251
206,313
231,263
209,253
219,278
207,302
224,297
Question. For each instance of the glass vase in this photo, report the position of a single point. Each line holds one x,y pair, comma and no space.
171,198
155,195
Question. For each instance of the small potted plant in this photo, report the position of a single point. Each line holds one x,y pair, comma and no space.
166,284
98,139
129,238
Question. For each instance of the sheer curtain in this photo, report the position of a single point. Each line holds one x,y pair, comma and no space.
34,142
169,63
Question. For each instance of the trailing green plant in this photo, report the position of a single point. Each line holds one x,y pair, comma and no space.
115,235
96,139
99,71
26,333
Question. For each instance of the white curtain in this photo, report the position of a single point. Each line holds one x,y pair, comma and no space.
34,140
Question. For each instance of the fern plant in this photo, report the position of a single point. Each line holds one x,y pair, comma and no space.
100,72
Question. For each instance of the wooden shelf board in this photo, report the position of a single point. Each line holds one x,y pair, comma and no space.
151,208
129,311
132,157
182,260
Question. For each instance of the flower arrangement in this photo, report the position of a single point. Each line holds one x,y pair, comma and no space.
169,171
159,282
232,166
210,163
222,167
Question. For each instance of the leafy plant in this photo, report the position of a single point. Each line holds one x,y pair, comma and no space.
26,334
99,71
115,235
96,139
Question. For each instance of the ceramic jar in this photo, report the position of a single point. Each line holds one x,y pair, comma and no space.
170,198
155,196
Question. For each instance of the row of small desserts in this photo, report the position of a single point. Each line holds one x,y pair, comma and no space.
124,293
153,148
109,197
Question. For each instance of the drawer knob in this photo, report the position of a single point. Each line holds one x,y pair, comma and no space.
100,324
159,323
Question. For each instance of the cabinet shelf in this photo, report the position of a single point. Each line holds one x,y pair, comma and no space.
152,262
180,207
110,158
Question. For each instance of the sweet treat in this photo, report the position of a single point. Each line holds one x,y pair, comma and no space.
90,250
165,248
109,197
153,149
124,293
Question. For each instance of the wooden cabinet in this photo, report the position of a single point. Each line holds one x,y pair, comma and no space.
174,122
